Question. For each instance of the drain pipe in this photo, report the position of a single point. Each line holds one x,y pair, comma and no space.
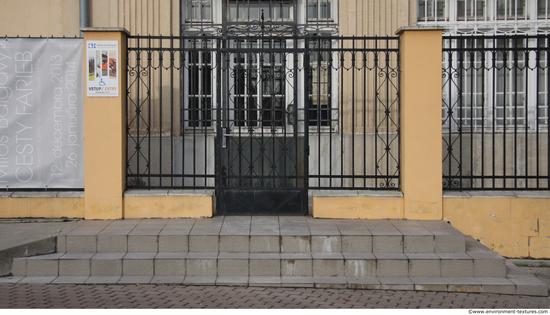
83,15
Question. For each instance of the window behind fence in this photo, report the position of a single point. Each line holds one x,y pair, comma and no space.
495,112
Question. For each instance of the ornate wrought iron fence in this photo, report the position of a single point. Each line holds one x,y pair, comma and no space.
495,112
340,95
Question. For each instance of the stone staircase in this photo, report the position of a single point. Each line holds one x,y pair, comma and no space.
277,251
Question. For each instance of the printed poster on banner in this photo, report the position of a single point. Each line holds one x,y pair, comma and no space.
41,113
103,69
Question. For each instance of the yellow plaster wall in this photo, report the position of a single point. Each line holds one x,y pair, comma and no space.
105,142
139,207
360,207
41,207
421,167
511,226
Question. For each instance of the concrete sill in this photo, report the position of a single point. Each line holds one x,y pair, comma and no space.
168,192
42,194
356,193
497,194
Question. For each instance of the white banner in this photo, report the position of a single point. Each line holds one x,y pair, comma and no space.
41,113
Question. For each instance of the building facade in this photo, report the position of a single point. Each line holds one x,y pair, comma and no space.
316,106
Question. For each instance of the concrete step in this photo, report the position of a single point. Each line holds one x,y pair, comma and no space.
280,236
277,251
262,264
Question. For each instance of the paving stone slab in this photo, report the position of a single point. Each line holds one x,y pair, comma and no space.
232,280
135,280
356,244
143,242
11,279
330,282
38,279
265,244
75,267
19,267
232,267
167,279
199,280
381,227
297,282
265,281
367,283
232,243
392,268
360,268
169,267
297,267
71,279
103,279
357,256
265,267
112,243
171,255
173,243
387,243
529,285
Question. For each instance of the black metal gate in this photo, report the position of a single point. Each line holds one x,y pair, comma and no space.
261,113
261,144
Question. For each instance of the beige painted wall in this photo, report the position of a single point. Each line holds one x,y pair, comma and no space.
162,17
62,17
375,17
39,18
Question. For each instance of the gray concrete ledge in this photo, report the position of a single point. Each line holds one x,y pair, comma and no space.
41,247
42,194
419,28
105,29
356,193
530,262
168,192
497,194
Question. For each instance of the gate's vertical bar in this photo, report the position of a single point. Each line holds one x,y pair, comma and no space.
547,118
317,70
494,57
515,113
537,109
376,99
526,109
387,114
184,81
353,69
219,128
161,65
342,122
306,122
149,129
295,71
461,44
365,86
138,109
172,66
505,97
473,73
195,59
483,93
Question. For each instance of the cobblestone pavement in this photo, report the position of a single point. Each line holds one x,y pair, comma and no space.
165,296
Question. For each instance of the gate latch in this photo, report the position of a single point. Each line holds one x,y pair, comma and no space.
290,114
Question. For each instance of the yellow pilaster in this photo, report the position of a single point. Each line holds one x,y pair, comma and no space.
105,140
421,144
